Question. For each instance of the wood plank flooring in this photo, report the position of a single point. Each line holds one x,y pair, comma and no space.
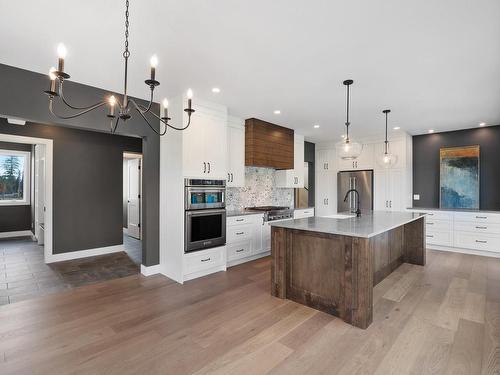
443,318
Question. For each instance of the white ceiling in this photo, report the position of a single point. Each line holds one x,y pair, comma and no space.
435,63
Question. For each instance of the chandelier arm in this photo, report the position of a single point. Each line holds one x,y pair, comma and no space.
113,128
61,95
148,108
142,113
51,109
171,126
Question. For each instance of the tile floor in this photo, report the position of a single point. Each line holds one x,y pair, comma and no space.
24,275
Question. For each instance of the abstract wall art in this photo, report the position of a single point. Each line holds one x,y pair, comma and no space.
459,177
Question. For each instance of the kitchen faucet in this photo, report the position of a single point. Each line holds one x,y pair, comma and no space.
358,211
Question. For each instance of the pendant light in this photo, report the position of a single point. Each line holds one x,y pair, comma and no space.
347,149
387,160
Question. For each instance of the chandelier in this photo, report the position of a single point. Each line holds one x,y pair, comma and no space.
118,110
347,149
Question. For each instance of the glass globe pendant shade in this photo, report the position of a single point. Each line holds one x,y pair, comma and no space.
387,160
349,150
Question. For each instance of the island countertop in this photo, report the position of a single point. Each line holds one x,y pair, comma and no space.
366,226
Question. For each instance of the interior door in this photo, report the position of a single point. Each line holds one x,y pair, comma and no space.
39,192
134,198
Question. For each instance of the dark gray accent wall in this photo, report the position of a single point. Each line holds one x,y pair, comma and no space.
22,96
15,218
87,185
310,157
426,164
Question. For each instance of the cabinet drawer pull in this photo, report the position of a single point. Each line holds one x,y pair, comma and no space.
481,227
481,217
205,260
240,250
239,233
430,223
240,219
430,235
430,214
481,241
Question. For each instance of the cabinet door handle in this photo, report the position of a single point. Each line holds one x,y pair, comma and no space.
204,167
240,219
481,241
208,167
481,227
390,204
327,201
228,177
481,217
240,250
232,177
386,205
205,260
239,233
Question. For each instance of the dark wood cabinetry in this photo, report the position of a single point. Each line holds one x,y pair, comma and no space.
268,145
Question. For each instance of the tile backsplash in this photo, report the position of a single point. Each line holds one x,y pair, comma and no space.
259,190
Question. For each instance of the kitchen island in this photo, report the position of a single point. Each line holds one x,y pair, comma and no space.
332,264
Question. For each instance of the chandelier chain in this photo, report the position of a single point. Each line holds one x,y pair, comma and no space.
126,53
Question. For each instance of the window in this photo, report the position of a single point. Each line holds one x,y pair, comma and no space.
14,177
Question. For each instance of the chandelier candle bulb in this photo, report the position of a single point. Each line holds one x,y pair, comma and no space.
112,102
52,77
61,53
165,108
190,97
154,63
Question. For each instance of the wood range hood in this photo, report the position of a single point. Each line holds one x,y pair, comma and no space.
268,145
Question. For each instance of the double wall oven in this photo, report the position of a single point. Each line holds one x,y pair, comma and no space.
205,214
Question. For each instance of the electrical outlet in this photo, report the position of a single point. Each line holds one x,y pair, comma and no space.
416,197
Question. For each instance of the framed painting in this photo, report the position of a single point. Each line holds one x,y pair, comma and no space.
459,177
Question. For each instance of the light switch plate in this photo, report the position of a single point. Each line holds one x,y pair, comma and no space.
416,197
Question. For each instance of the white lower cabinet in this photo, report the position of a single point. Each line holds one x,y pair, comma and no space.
245,238
204,262
474,232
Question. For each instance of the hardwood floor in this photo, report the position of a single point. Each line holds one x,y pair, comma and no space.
440,319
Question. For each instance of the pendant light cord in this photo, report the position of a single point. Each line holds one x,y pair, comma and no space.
347,111
386,142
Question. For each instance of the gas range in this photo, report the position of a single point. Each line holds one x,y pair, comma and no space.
272,213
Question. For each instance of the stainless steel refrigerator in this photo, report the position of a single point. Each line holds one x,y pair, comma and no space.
362,181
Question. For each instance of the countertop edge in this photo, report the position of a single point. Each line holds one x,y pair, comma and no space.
347,234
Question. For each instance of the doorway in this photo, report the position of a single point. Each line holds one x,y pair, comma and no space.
132,205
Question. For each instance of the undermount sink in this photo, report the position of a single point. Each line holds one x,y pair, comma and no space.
339,216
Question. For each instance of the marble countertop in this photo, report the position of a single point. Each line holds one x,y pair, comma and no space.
366,226
452,209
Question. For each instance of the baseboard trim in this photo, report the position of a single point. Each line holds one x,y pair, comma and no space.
483,253
17,233
84,253
151,270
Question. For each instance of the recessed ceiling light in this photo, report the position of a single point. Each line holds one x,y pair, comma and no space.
277,112
396,127
216,90
316,126
481,124
431,130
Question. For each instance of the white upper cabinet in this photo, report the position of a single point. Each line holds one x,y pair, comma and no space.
293,178
205,142
235,152
364,161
